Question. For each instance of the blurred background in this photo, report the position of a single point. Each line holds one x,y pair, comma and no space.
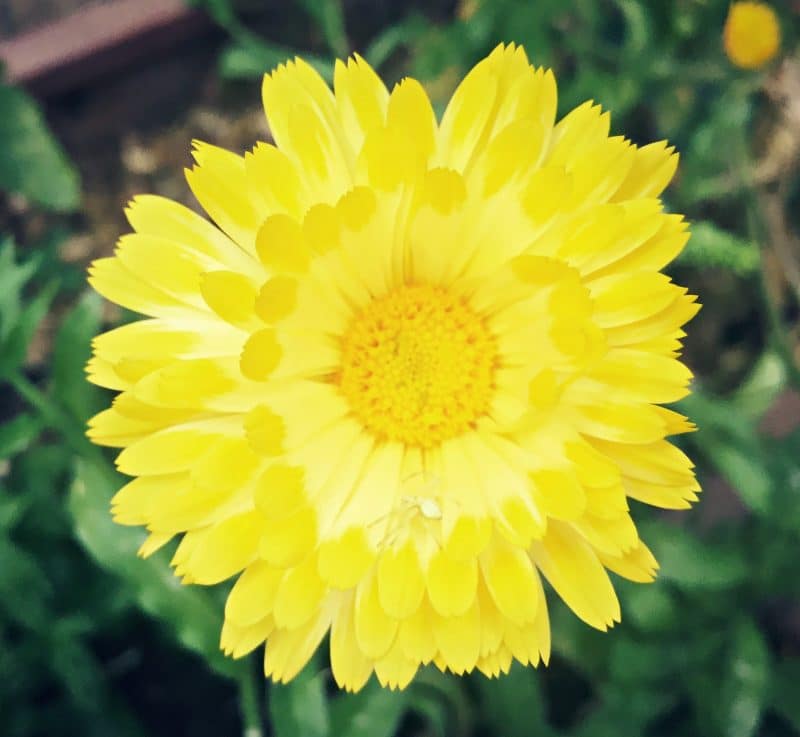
100,100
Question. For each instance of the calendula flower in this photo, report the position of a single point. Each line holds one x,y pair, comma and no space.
415,368
752,34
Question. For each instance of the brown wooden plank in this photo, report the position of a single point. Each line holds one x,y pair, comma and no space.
76,49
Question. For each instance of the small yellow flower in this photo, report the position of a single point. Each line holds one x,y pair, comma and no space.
752,34
417,366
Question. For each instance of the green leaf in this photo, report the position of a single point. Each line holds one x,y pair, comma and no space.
330,18
244,59
190,612
619,704
71,351
21,572
692,563
711,246
15,345
745,686
651,608
17,434
761,388
733,446
31,161
395,37
13,277
783,691
372,712
299,708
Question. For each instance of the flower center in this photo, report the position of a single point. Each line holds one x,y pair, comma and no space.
418,366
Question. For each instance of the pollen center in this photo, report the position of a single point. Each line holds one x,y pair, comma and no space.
418,366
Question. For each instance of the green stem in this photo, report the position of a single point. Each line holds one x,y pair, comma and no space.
248,701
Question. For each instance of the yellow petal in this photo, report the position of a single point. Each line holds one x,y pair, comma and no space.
168,451
653,167
637,564
452,584
401,585
459,639
219,181
559,492
416,637
281,246
265,430
261,355
467,116
229,547
289,650
158,216
344,561
299,596
361,99
411,111
276,181
280,491
511,580
229,294
574,571
375,629
351,668
287,541
253,595
394,670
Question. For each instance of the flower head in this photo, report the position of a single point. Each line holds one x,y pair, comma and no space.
416,368
752,34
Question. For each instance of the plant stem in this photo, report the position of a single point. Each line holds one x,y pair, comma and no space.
248,701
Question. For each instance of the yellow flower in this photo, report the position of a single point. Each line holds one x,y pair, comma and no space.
417,368
752,34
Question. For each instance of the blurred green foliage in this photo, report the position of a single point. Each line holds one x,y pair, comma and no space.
95,641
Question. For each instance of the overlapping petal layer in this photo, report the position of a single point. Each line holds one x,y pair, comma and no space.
416,369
